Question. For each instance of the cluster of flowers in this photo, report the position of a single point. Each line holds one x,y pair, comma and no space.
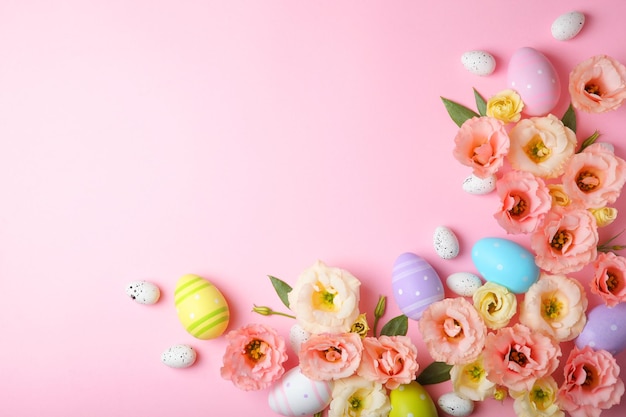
559,196
335,347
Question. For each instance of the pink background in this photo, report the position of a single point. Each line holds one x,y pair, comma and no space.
143,140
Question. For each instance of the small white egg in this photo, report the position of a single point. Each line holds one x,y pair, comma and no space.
607,146
297,336
567,26
451,403
479,62
143,292
478,186
445,242
179,356
463,283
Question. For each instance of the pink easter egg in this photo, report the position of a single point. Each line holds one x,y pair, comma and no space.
296,395
415,285
534,78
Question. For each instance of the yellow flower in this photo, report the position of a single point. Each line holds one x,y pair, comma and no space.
539,401
604,216
505,106
470,380
558,194
495,304
360,326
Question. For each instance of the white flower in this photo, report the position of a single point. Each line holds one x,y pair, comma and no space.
358,397
470,381
539,401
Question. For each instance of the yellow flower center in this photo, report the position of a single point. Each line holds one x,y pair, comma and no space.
520,206
542,399
537,150
355,403
475,372
324,298
552,308
255,350
560,239
587,181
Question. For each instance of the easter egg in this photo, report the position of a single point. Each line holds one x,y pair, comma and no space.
455,405
415,285
297,336
445,242
296,395
478,186
506,263
567,26
411,400
534,78
478,62
179,356
143,292
464,284
605,329
201,307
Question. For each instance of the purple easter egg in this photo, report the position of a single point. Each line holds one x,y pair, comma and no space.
605,329
415,285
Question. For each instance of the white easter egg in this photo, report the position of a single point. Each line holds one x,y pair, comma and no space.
567,26
297,336
463,283
479,186
179,356
451,403
296,395
143,292
445,242
478,62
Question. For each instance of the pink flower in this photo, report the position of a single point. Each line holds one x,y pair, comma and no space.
453,331
598,84
517,356
254,357
481,143
608,278
330,356
594,177
555,305
524,199
592,383
566,241
390,360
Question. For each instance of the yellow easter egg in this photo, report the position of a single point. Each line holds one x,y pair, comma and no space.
411,399
201,307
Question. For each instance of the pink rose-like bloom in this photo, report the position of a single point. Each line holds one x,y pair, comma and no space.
517,356
594,177
598,84
329,356
592,383
254,357
566,241
453,331
555,305
608,278
524,200
389,360
481,143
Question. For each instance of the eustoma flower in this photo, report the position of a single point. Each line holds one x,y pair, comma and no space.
539,401
598,84
390,360
506,106
329,356
470,380
495,304
358,397
608,279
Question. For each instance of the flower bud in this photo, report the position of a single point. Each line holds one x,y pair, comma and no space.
604,216
360,326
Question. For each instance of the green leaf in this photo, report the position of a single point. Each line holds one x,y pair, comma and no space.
458,113
481,104
434,373
282,289
569,118
589,141
397,326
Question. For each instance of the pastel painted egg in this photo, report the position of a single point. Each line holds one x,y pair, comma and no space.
297,336
450,403
446,243
464,284
605,329
415,285
411,400
143,292
297,395
201,307
567,26
179,356
506,263
478,186
478,62
533,76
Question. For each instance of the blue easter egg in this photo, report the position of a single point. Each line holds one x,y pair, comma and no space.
605,329
506,263
415,285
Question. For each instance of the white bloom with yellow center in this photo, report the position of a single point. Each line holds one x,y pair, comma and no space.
358,397
539,401
470,381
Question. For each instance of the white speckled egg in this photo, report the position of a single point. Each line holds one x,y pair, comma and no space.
451,403
415,285
179,356
567,26
463,283
479,62
296,395
534,78
297,336
445,242
143,292
479,186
